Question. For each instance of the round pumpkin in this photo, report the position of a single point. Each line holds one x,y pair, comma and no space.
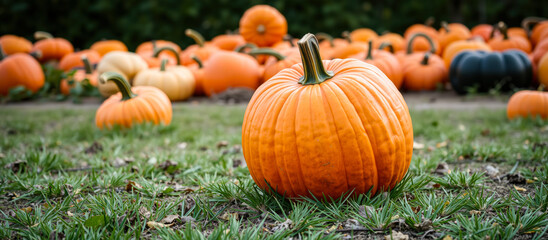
20,69
543,70
201,49
51,48
456,47
105,46
127,64
228,42
452,32
363,35
487,70
132,105
326,128
528,103
352,48
396,41
228,69
12,44
540,50
422,42
385,61
177,82
504,41
483,31
74,59
541,25
328,44
263,25
148,50
80,75
197,70
423,72
276,64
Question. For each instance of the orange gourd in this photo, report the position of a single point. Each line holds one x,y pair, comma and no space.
201,49
456,47
326,128
263,25
328,44
363,35
228,69
51,48
396,41
105,46
542,70
20,69
228,42
147,51
352,48
423,72
483,31
276,64
74,59
504,41
452,32
422,44
385,61
197,70
540,50
14,44
433,46
80,75
528,103
132,105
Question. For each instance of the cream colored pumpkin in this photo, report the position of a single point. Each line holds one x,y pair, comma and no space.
177,82
127,64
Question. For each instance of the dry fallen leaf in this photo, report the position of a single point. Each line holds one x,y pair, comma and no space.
331,229
227,215
475,212
169,219
417,145
143,211
222,144
447,237
182,145
153,225
27,209
529,181
70,214
441,144
395,235
133,186
520,189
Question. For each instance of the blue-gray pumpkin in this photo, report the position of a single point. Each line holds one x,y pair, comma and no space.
486,70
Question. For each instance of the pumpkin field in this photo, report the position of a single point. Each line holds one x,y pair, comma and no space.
276,131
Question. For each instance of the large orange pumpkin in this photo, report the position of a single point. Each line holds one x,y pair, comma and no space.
14,44
51,48
132,105
528,103
326,128
263,25
105,46
504,41
540,50
227,69
20,69
385,61
74,59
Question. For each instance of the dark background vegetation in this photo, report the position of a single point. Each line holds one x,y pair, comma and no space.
135,21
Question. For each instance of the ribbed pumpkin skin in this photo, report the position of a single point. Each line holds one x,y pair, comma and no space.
105,46
456,47
274,23
14,44
126,63
351,132
53,49
224,70
176,82
74,59
419,77
20,69
387,63
528,103
150,105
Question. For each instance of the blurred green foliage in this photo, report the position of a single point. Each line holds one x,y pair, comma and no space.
135,21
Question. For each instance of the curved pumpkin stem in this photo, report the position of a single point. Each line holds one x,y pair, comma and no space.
501,27
2,53
430,21
445,26
39,35
267,51
36,54
412,39
346,35
314,71
289,39
387,45
163,65
120,82
198,38
157,52
242,48
369,55
325,37
197,60
87,65
528,21
425,59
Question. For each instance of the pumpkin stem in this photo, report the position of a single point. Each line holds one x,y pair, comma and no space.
197,60
528,21
501,27
430,21
242,48
289,39
163,65
541,87
267,51
412,39
198,38
387,45
314,71
36,54
369,55
326,37
120,82
2,53
346,35
39,35
445,26
87,64
425,59
261,29
157,52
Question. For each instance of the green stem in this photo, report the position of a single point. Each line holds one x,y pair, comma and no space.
2,53
528,21
445,26
326,37
267,51
289,39
163,65
369,55
87,64
430,21
425,59
242,48
346,35
36,54
198,61
387,45
39,35
412,39
501,27
261,29
314,71
169,49
198,38
120,82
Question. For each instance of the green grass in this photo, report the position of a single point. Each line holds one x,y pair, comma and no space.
62,177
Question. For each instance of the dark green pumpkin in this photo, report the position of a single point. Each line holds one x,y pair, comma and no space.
487,70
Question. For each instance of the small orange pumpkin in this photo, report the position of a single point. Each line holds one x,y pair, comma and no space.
148,49
105,46
80,75
483,31
132,105
263,25
352,48
396,41
276,64
504,41
226,69
20,69
228,42
433,46
456,47
363,35
528,103
74,59
328,44
452,32
14,44
540,50
51,48
201,49
423,72
197,70
385,61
